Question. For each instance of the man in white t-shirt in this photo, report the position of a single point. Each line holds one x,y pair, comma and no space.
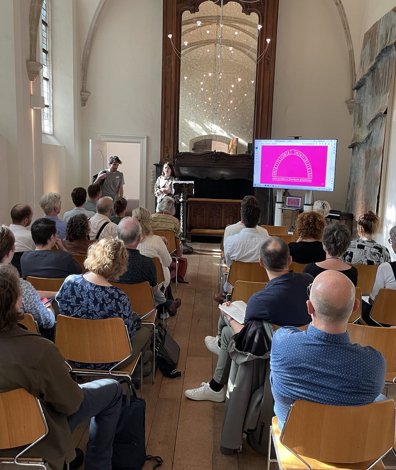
101,225
234,229
21,216
112,180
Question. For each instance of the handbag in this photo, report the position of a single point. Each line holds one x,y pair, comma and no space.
129,449
168,352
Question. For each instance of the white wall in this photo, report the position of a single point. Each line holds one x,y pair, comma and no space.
124,76
312,83
129,154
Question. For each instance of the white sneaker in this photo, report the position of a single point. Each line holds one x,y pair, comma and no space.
204,392
212,343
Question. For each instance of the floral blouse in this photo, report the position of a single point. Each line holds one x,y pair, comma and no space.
31,303
82,299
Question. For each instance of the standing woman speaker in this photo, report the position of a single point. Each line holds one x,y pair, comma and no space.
163,185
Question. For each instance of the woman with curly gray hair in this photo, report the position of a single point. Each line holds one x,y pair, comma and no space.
77,235
336,239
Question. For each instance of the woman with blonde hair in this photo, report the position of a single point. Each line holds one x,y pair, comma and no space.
154,247
91,295
366,250
309,230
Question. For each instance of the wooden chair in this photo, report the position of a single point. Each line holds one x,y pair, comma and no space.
382,339
383,311
252,272
22,423
172,247
142,301
30,323
297,267
276,229
95,342
314,435
44,283
366,276
160,272
80,260
243,290
357,314
287,238
302,328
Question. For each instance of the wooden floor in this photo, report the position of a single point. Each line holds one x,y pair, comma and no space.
186,434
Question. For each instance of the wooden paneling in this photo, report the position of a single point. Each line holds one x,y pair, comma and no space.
214,214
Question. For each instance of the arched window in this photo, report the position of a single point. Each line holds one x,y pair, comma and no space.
47,113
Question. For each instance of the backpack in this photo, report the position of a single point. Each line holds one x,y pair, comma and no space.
129,449
168,352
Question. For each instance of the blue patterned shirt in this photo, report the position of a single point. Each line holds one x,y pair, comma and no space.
82,299
324,368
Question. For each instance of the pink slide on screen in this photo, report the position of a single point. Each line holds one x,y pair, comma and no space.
302,165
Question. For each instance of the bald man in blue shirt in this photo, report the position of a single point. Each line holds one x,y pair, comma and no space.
321,364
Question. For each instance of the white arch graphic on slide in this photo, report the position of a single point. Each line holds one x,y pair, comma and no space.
305,160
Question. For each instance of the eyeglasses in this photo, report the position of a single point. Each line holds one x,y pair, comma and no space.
390,241
309,290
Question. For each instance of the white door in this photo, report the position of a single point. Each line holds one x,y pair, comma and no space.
97,157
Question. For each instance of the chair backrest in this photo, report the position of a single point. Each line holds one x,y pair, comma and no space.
276,229
170,236
297,267
340,434
44,283
80,260
358,312
287,238
29,322
302,328
383,310
140,296
22,419
366,276
252,272
92,341
382,339
243,290
160,272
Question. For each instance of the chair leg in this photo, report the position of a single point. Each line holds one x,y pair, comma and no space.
176,280
141,374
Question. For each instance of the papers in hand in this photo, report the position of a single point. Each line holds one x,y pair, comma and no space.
236,310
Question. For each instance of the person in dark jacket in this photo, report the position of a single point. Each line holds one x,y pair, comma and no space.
281,302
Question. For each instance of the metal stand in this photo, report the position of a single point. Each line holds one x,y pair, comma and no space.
183,189
183,222
278,207
308,201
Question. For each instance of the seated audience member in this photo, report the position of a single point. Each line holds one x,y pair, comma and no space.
164,219
51,205
309,230
141,268
336,239
321,364
31,302
120,208
29,361
245,246
385,279
366,250
152,245
101,225
323,207
43,262
21,216
79,197
92,296
77,235
234,229
282,302
94,194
